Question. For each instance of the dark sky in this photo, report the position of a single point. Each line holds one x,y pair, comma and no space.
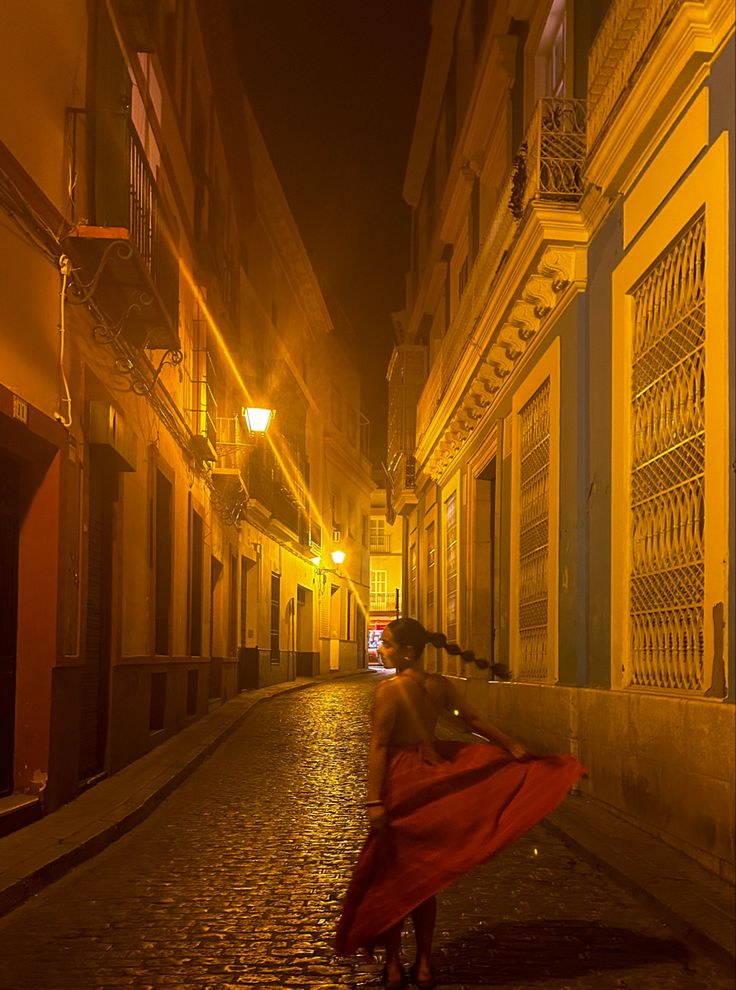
334,85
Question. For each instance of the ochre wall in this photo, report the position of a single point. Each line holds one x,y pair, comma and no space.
667,764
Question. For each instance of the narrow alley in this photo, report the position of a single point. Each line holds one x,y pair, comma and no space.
236,881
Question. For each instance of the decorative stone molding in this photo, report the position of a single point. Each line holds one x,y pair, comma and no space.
527,316
523,318
555,264
541,294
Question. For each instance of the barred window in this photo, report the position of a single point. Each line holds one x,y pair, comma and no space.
431,571
451,589
667,481
533,546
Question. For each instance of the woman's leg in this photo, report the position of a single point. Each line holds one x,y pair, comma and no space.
424,918
392,945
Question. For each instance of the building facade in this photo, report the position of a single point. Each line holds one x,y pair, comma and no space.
561,431
156,556
387,567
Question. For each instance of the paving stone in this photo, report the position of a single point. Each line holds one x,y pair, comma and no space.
235,880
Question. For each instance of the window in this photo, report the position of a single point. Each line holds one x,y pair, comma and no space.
451,586
379,589
378,535
558,59
667,474
533,543
275,617
431,575
163,565
335,502
351,518
196,578
139,114
243,600
550,60
232,615
413,580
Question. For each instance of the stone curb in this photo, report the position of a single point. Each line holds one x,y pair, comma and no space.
697,905
42,852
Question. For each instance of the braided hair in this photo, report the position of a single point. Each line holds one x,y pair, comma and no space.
409,632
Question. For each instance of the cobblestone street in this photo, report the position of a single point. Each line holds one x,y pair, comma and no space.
236,881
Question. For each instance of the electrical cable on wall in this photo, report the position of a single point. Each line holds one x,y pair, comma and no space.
65,267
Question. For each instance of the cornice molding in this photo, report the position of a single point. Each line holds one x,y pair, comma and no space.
697,31
489,371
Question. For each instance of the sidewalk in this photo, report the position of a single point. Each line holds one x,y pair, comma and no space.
698,906
44,851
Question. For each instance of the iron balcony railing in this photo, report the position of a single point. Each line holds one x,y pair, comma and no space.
112,186
385,601
547,169
617,53
380,544
402,471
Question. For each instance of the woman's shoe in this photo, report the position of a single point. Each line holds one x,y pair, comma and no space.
422,984
394,984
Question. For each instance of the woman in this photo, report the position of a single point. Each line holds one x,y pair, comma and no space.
436,808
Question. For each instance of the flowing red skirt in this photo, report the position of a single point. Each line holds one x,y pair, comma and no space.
443,819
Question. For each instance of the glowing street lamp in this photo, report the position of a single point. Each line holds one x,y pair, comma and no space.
258,420
338,556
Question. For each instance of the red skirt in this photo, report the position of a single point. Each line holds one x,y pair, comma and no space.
443,819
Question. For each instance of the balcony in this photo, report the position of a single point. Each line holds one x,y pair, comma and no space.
229,489
617,54
120,243
386,601
203,410
380,544
402,472
546,171
270,499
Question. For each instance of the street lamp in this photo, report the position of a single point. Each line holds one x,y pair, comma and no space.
258,420
338,557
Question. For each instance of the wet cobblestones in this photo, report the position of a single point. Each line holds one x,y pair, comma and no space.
236,881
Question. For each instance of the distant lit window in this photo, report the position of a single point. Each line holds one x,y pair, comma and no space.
378,533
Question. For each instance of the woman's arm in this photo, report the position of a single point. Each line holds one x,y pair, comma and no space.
474,720
384,716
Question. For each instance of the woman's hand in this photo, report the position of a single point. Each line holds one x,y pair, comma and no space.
377,816
519,751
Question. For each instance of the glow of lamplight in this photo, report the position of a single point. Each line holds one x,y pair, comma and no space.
296,489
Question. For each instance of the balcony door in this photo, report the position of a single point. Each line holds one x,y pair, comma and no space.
111,101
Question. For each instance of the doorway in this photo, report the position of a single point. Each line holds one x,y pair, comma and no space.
103,493
9,530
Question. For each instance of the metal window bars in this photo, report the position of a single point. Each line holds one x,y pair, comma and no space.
533,546
667,483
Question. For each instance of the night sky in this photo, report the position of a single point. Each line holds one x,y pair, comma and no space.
335,85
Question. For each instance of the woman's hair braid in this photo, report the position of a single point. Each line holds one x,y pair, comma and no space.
409,632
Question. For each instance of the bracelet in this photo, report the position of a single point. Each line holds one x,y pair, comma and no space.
371,804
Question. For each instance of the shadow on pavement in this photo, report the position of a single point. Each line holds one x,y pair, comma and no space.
529,951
